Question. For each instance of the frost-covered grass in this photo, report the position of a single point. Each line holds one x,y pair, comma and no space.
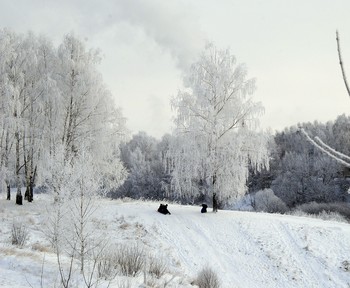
327,211
329,216
244,249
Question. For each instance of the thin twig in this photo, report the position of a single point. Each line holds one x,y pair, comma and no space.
341,64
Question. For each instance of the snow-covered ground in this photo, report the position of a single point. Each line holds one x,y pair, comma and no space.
245,249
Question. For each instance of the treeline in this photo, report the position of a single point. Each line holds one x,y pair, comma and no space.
299,172
54,112
59,131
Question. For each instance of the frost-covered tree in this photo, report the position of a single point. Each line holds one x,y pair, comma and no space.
34,119
7,122
16,87
70,228
22,88
266,201
216,129
301,173
54,102
143,158
86,118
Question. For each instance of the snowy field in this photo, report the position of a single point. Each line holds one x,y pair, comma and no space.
245,249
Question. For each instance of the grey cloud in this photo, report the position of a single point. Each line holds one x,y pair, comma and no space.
170,24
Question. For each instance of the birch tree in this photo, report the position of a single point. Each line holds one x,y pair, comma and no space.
33,110
217,133
54,102
142,157
15,83
86,117
6,112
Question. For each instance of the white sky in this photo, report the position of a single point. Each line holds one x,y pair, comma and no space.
288,45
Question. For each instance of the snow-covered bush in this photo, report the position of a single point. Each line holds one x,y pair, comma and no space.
124,283
327,211
246,203
266,201
106,266
157,266
19,234
207,278
328,216
130,259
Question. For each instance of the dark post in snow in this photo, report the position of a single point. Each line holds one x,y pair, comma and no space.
8,192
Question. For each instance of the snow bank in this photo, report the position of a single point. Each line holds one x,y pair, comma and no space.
245,249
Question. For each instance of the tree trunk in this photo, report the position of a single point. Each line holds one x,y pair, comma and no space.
19,197
215,203
8,192
26,194
29,189
30,196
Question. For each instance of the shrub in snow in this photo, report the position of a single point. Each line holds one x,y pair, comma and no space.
207,278
244,204
327,211
346,265
124,283
130,259
323,215
157,266
19,234
106,267
266,201
127,260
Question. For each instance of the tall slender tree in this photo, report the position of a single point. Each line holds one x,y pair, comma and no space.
216,128
6,112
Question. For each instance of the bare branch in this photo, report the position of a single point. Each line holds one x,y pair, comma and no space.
324,150
331,150
341,65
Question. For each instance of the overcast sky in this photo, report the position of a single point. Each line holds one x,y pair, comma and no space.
288,45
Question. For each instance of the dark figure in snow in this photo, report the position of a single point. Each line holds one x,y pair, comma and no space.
204,208
164,209
215,203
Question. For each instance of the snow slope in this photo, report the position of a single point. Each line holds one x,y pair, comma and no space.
245,249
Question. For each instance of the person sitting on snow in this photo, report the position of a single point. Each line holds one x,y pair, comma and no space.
164,209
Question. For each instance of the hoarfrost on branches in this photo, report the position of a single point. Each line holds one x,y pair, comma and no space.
216,129
53,106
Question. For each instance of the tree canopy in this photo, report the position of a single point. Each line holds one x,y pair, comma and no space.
216,128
